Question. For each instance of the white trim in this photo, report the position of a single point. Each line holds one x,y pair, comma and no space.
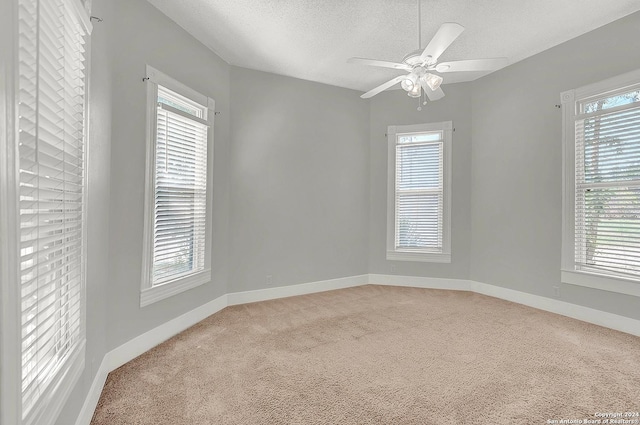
430,257
419,128
58,392
617,83
93,396
173,287
149,293
629,106
10,320
604,283
181,113
585,314
420,282
236,298
164,80
145,342
446,127
571,99
568,179
142,343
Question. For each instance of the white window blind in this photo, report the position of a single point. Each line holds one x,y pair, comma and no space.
180,188
607,184
51,139
419,192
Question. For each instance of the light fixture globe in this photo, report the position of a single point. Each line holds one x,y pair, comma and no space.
409,83
416,91
432,80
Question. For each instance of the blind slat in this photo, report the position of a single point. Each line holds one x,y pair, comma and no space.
607,210
51,96
419,192
179,187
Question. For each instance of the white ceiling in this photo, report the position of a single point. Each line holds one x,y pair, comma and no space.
312,39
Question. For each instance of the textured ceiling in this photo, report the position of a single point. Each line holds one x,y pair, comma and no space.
312,39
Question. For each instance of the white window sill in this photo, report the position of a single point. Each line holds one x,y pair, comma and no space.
426,257
604,283
173,287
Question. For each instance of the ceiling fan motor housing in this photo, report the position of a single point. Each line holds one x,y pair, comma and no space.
415,59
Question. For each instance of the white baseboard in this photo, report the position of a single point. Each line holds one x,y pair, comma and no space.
586,314
143,343
235,298
420,282
139,345
91,401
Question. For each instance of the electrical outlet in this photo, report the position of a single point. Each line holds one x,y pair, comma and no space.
269,280
393,268
556,291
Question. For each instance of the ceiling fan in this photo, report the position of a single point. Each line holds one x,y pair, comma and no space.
423,65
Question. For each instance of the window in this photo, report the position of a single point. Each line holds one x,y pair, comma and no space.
177,206
419,193
43,209
601,197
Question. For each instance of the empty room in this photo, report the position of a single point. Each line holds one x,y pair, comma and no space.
319,212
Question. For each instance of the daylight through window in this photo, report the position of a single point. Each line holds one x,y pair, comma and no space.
602,184
419,192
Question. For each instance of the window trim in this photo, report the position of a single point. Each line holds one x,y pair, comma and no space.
150,294
570,100
10,352
61,385
432,257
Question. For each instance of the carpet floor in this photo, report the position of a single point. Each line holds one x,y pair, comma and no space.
379,355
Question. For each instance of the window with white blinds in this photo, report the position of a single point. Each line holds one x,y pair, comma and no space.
606,181
177,216
418,192
51,157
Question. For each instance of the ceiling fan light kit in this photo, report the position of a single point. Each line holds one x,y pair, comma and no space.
415,92
432,80
423,65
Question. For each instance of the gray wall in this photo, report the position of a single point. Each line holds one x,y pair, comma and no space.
141,35
516,191
299,172
395,108
132,35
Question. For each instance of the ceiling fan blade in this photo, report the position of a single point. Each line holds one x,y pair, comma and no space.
432,94
446,35
472,65
383,64
383,87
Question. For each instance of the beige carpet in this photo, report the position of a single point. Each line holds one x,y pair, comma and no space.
378,355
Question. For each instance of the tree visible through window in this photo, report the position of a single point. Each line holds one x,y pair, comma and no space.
608,184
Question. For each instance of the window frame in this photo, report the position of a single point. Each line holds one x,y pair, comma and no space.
393,131
571,100
61,384
150,293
